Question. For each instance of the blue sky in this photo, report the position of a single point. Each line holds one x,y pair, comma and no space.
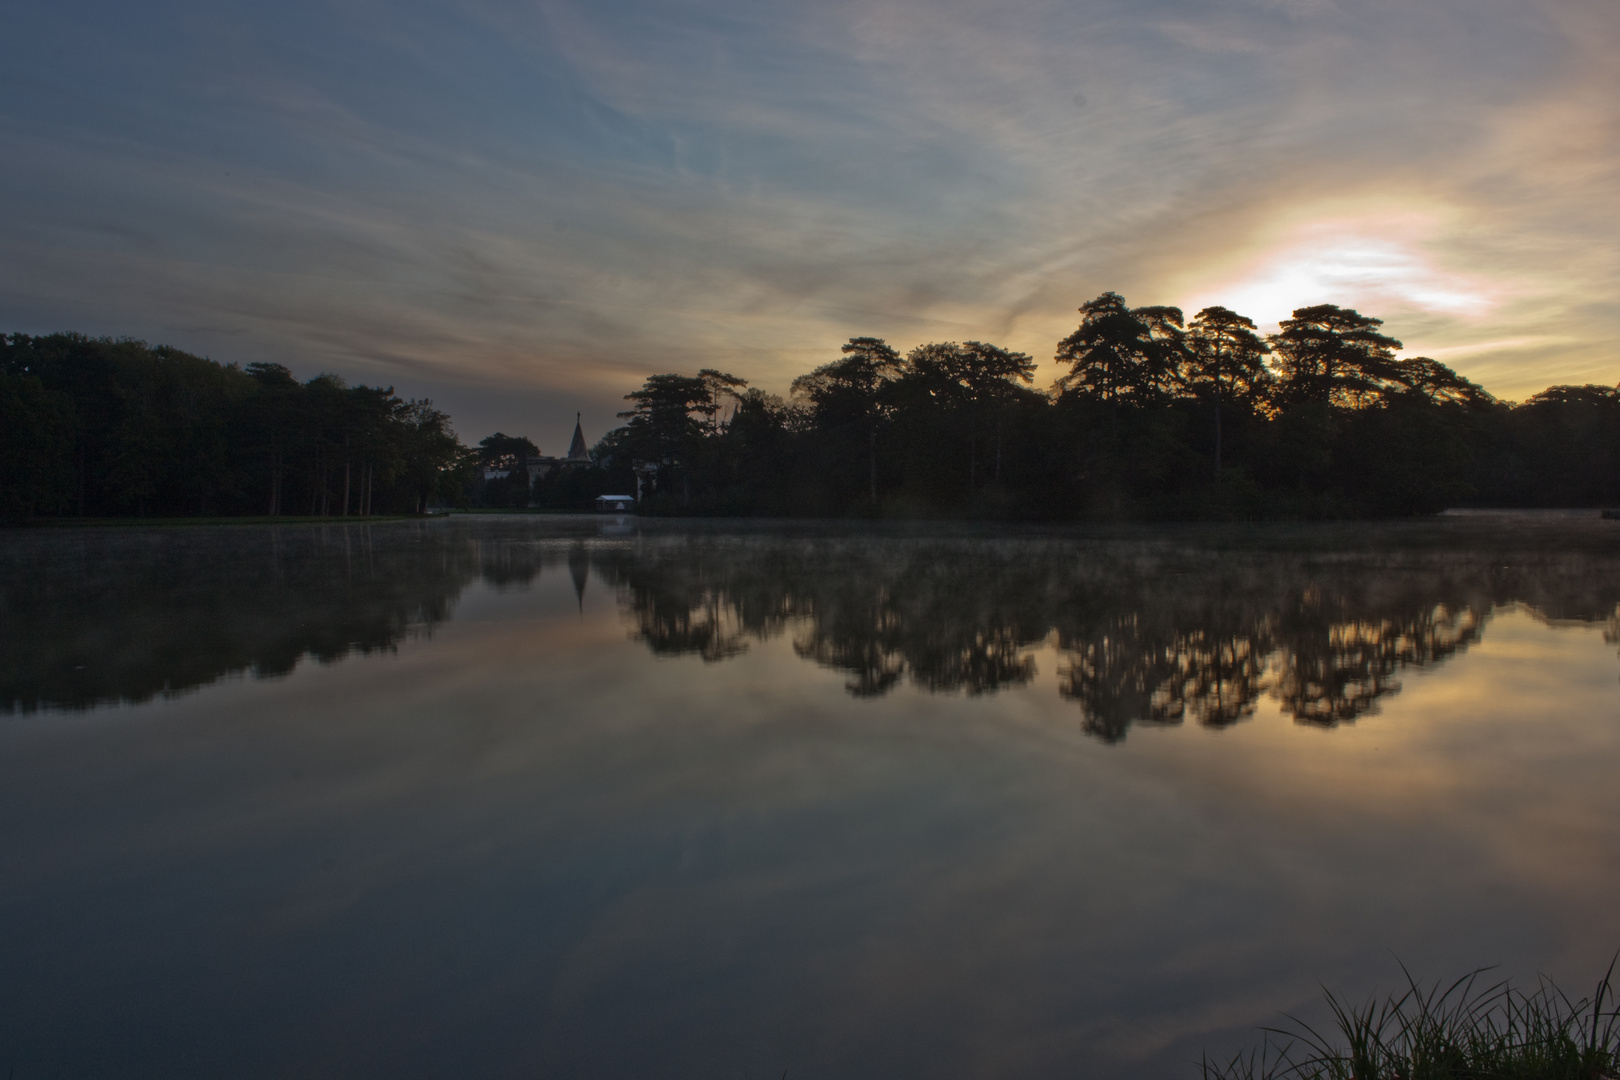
521,209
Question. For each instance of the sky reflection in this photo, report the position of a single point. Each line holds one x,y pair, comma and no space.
527,838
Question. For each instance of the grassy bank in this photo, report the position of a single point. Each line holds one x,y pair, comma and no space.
1470,1030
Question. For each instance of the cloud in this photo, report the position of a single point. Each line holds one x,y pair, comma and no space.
560,199
1380,260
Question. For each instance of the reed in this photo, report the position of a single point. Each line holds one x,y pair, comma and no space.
1467,1030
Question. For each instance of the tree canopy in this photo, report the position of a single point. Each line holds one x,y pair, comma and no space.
105,427
1153,416
1121,353
1336,355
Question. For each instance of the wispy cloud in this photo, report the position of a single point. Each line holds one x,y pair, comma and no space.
516,202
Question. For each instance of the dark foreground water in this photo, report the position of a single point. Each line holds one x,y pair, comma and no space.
564,797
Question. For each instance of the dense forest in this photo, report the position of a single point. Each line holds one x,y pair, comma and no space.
97,427
1155,417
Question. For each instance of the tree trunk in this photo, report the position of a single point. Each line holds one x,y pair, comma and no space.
871,457
1217,440
345,489
998,451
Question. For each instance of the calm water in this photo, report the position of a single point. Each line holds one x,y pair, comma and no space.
564,797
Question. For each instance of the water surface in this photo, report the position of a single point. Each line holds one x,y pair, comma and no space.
582,797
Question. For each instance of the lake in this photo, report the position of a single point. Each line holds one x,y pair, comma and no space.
584,797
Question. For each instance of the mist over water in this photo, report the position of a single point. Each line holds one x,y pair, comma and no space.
572,796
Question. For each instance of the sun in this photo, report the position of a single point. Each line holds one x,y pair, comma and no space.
1379,263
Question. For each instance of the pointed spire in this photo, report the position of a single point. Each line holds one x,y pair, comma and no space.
576,449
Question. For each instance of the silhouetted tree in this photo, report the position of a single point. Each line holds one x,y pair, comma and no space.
1226,363
851,393
500,451
1562,448
1333,355
673,414
1118,353
435,462
1436,384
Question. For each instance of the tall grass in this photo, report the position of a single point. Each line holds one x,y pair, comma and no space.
1468,1030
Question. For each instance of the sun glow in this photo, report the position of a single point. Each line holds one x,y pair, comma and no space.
1377,263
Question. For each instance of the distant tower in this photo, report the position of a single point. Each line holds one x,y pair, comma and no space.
577,454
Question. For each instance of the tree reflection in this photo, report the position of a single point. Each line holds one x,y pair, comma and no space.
1143,633
699,602
856,630
97,617
953,620
1124,675
508,563
1333,671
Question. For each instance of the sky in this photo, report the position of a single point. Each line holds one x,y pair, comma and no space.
522,209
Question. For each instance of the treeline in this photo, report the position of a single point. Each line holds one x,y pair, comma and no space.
103,427
1155,417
